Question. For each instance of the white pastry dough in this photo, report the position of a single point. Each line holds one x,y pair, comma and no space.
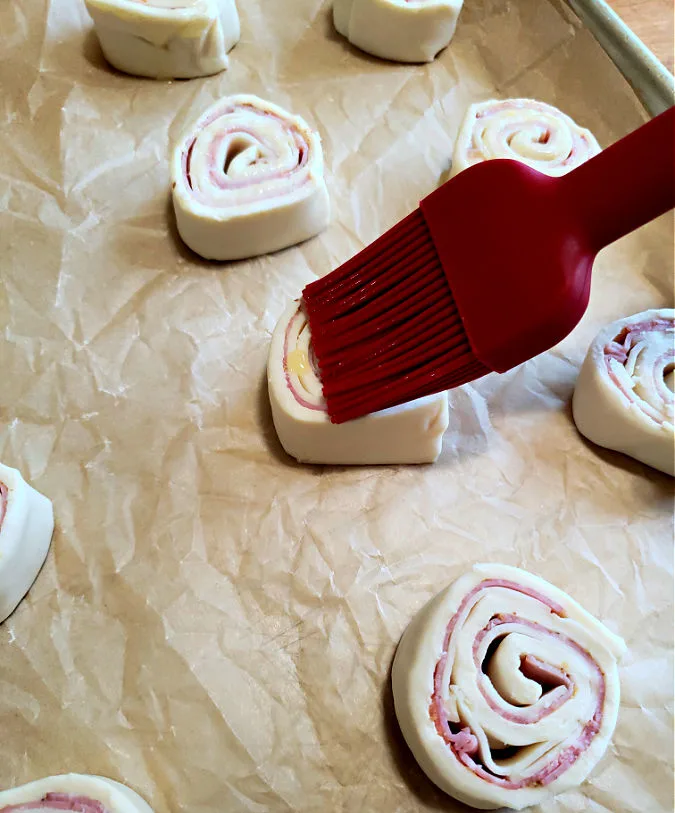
26,526
400,30
409,433
248,179
531,132
506,689
75,792
166,39
624,396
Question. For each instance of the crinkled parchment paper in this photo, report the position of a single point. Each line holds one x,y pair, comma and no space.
215,624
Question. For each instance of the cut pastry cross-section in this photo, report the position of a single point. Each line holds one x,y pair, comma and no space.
248,179
624,397
79,793
166,39
409,433
528,131
400,30
26,526
506,690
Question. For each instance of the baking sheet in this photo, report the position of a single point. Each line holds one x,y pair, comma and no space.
215,623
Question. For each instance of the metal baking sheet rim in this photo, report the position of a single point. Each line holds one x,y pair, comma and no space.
651,80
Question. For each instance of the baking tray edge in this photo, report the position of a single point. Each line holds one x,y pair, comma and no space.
651,80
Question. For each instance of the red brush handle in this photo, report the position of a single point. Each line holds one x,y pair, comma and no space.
627,184
517,247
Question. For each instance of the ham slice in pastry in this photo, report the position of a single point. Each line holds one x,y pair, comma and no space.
247,179
409,433
624,396
26,526
400,30
166,39
75,792
534,133
506,690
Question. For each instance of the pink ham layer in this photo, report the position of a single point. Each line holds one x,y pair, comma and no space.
620,346
464,744
580,142
4,496
59,801
216,174
289,383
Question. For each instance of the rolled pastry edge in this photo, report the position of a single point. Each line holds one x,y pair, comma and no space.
181,49
342,11
408,434
252,233
117,797
409,671
397,33
25,537
606,418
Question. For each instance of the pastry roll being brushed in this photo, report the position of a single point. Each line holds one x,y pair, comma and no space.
75,792
409,433
531,132
26,526
506,690
624,395
400,30
247,179
166,39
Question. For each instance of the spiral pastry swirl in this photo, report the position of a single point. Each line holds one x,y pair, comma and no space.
247,179
506,689
165,39
532,132
624,397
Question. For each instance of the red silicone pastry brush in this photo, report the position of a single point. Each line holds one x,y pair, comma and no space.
493,268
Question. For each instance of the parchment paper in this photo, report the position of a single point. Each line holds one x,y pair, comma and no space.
215,624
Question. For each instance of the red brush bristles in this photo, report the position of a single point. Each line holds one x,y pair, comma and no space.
385,327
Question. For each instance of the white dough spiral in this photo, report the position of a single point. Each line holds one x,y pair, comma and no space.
248,179
624,397
525,130
506,690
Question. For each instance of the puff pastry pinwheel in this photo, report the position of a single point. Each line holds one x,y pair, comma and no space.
26,526
525,130
506,689
247,179
409,433
75,792
400,30
166,39
624,397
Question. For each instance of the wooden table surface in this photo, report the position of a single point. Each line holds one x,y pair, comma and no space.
652,21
